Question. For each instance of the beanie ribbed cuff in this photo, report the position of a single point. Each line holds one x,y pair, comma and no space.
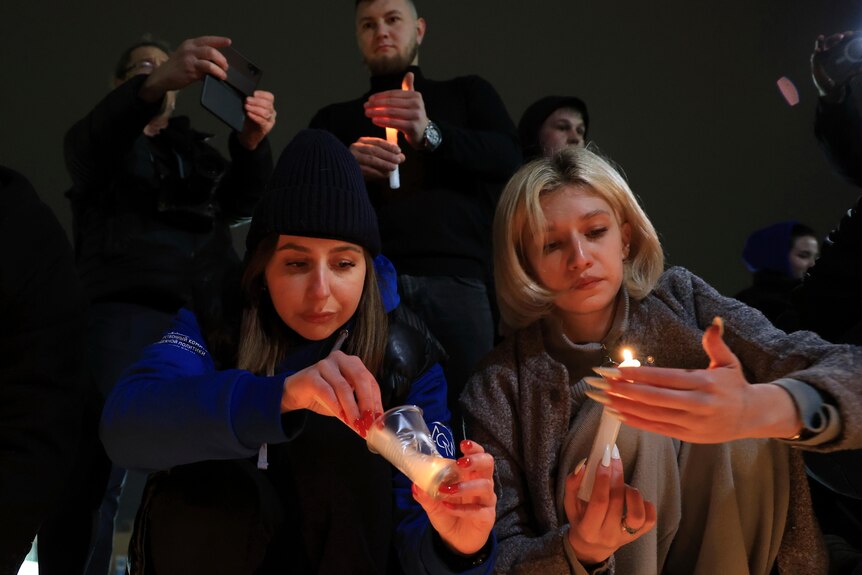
316,190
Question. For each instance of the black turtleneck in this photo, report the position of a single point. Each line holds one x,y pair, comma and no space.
385,82
439,221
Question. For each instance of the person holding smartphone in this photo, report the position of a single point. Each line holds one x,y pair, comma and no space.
152,205
838,126
829,301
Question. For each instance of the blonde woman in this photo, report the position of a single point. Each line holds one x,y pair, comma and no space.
706,476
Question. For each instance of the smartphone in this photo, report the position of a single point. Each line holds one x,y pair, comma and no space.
226,98
843,60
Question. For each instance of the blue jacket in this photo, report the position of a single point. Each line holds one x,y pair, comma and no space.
173,407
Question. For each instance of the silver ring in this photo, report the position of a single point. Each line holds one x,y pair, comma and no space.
626,529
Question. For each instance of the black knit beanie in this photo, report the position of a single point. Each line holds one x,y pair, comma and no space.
316,190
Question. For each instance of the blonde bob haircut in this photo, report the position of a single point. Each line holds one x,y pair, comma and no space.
519,219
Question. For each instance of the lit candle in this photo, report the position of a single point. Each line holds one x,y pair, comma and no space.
606,438
394,177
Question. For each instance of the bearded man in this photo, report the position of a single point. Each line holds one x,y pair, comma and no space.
456,147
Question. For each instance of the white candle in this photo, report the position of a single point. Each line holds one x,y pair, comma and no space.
606,438
429,472
394,177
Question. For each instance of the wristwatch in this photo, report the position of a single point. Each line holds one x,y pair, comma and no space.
431,138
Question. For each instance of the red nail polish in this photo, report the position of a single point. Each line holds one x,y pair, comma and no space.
466,444
414,489
360,427
463,462
450,489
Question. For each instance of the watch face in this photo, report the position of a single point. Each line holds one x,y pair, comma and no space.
432,136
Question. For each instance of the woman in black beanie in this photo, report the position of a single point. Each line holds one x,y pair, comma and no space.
317,501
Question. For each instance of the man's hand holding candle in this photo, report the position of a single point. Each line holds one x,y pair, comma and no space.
377,157
402,109
398,111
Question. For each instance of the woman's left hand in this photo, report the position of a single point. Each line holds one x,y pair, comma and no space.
259,119
465,511
712,405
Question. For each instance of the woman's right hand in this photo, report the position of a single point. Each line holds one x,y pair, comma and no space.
616,513
339,385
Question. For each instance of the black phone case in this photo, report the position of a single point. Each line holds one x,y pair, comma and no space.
226,98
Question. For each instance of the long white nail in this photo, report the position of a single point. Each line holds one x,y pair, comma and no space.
606,457
616,453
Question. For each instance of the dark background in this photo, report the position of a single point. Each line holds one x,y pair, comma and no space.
682,93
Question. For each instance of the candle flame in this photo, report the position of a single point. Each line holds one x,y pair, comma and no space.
628,359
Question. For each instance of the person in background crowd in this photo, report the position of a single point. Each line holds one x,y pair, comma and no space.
456,147
552,122
41,368
829,302
152,205
778,255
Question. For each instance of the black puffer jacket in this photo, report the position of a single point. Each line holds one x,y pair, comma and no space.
411,350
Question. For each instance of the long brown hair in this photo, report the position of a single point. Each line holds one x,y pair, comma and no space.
265,339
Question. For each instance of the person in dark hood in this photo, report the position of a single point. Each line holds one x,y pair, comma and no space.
778,256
